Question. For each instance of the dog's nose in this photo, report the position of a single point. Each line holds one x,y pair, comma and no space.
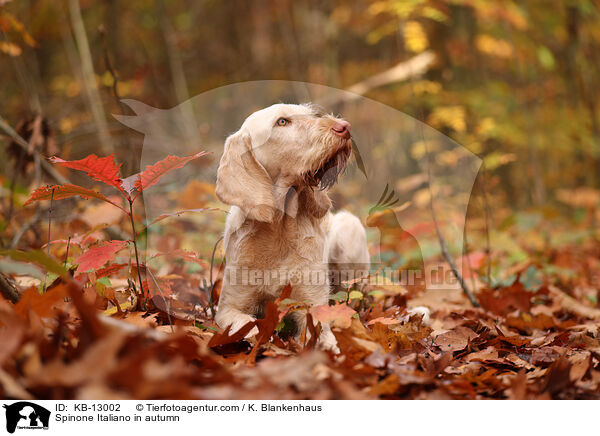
342,128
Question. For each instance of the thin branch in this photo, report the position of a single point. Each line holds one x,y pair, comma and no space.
137,259
441,239
402,71
411,73
473,284
8,289
488,248
26,226
45,165
49,228
67,253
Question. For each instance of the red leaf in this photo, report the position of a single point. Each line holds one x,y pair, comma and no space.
152,174
266,327
224,338
97,256
110,270
102,169
65,191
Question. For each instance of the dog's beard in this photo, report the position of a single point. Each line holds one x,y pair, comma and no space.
325,176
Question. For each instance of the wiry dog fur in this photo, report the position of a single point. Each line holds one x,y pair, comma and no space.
275,174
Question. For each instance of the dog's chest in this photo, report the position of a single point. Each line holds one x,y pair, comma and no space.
291,244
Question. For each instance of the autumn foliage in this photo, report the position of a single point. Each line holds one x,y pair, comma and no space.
91,309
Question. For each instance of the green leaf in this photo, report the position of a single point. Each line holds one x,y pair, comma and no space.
531,279
205,327
356,295
37,257
339,296
546,58
105,281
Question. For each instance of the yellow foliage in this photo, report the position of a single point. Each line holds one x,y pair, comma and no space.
107,79
497,159
448,116
493,47
487,128
415,37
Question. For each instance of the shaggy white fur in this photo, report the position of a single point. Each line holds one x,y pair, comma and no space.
274,172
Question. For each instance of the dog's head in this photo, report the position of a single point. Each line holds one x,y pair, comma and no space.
278,148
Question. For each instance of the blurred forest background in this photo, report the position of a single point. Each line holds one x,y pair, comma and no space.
514,82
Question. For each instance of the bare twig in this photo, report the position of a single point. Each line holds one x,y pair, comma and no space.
49,228
49,169
50,218
473,284
67,253
137,259
13,182
8,289
28,224
405,70
488,248
441,239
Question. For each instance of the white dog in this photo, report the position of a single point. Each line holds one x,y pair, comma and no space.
274,173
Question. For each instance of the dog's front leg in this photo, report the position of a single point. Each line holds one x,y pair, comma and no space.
314,296
231,313
327,340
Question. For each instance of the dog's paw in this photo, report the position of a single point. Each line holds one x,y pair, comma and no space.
328,342
240,322
421,311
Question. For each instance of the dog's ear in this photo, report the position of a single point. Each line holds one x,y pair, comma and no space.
242,181
316,202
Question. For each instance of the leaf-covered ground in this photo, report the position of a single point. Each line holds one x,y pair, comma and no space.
521,344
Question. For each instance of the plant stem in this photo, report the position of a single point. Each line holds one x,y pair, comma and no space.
137,259
49,228
67,253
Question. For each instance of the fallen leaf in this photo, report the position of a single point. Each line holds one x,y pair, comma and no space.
338,315
455,340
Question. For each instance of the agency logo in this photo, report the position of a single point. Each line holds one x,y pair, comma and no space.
24,415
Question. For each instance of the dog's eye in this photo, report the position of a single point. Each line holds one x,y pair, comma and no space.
282,122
